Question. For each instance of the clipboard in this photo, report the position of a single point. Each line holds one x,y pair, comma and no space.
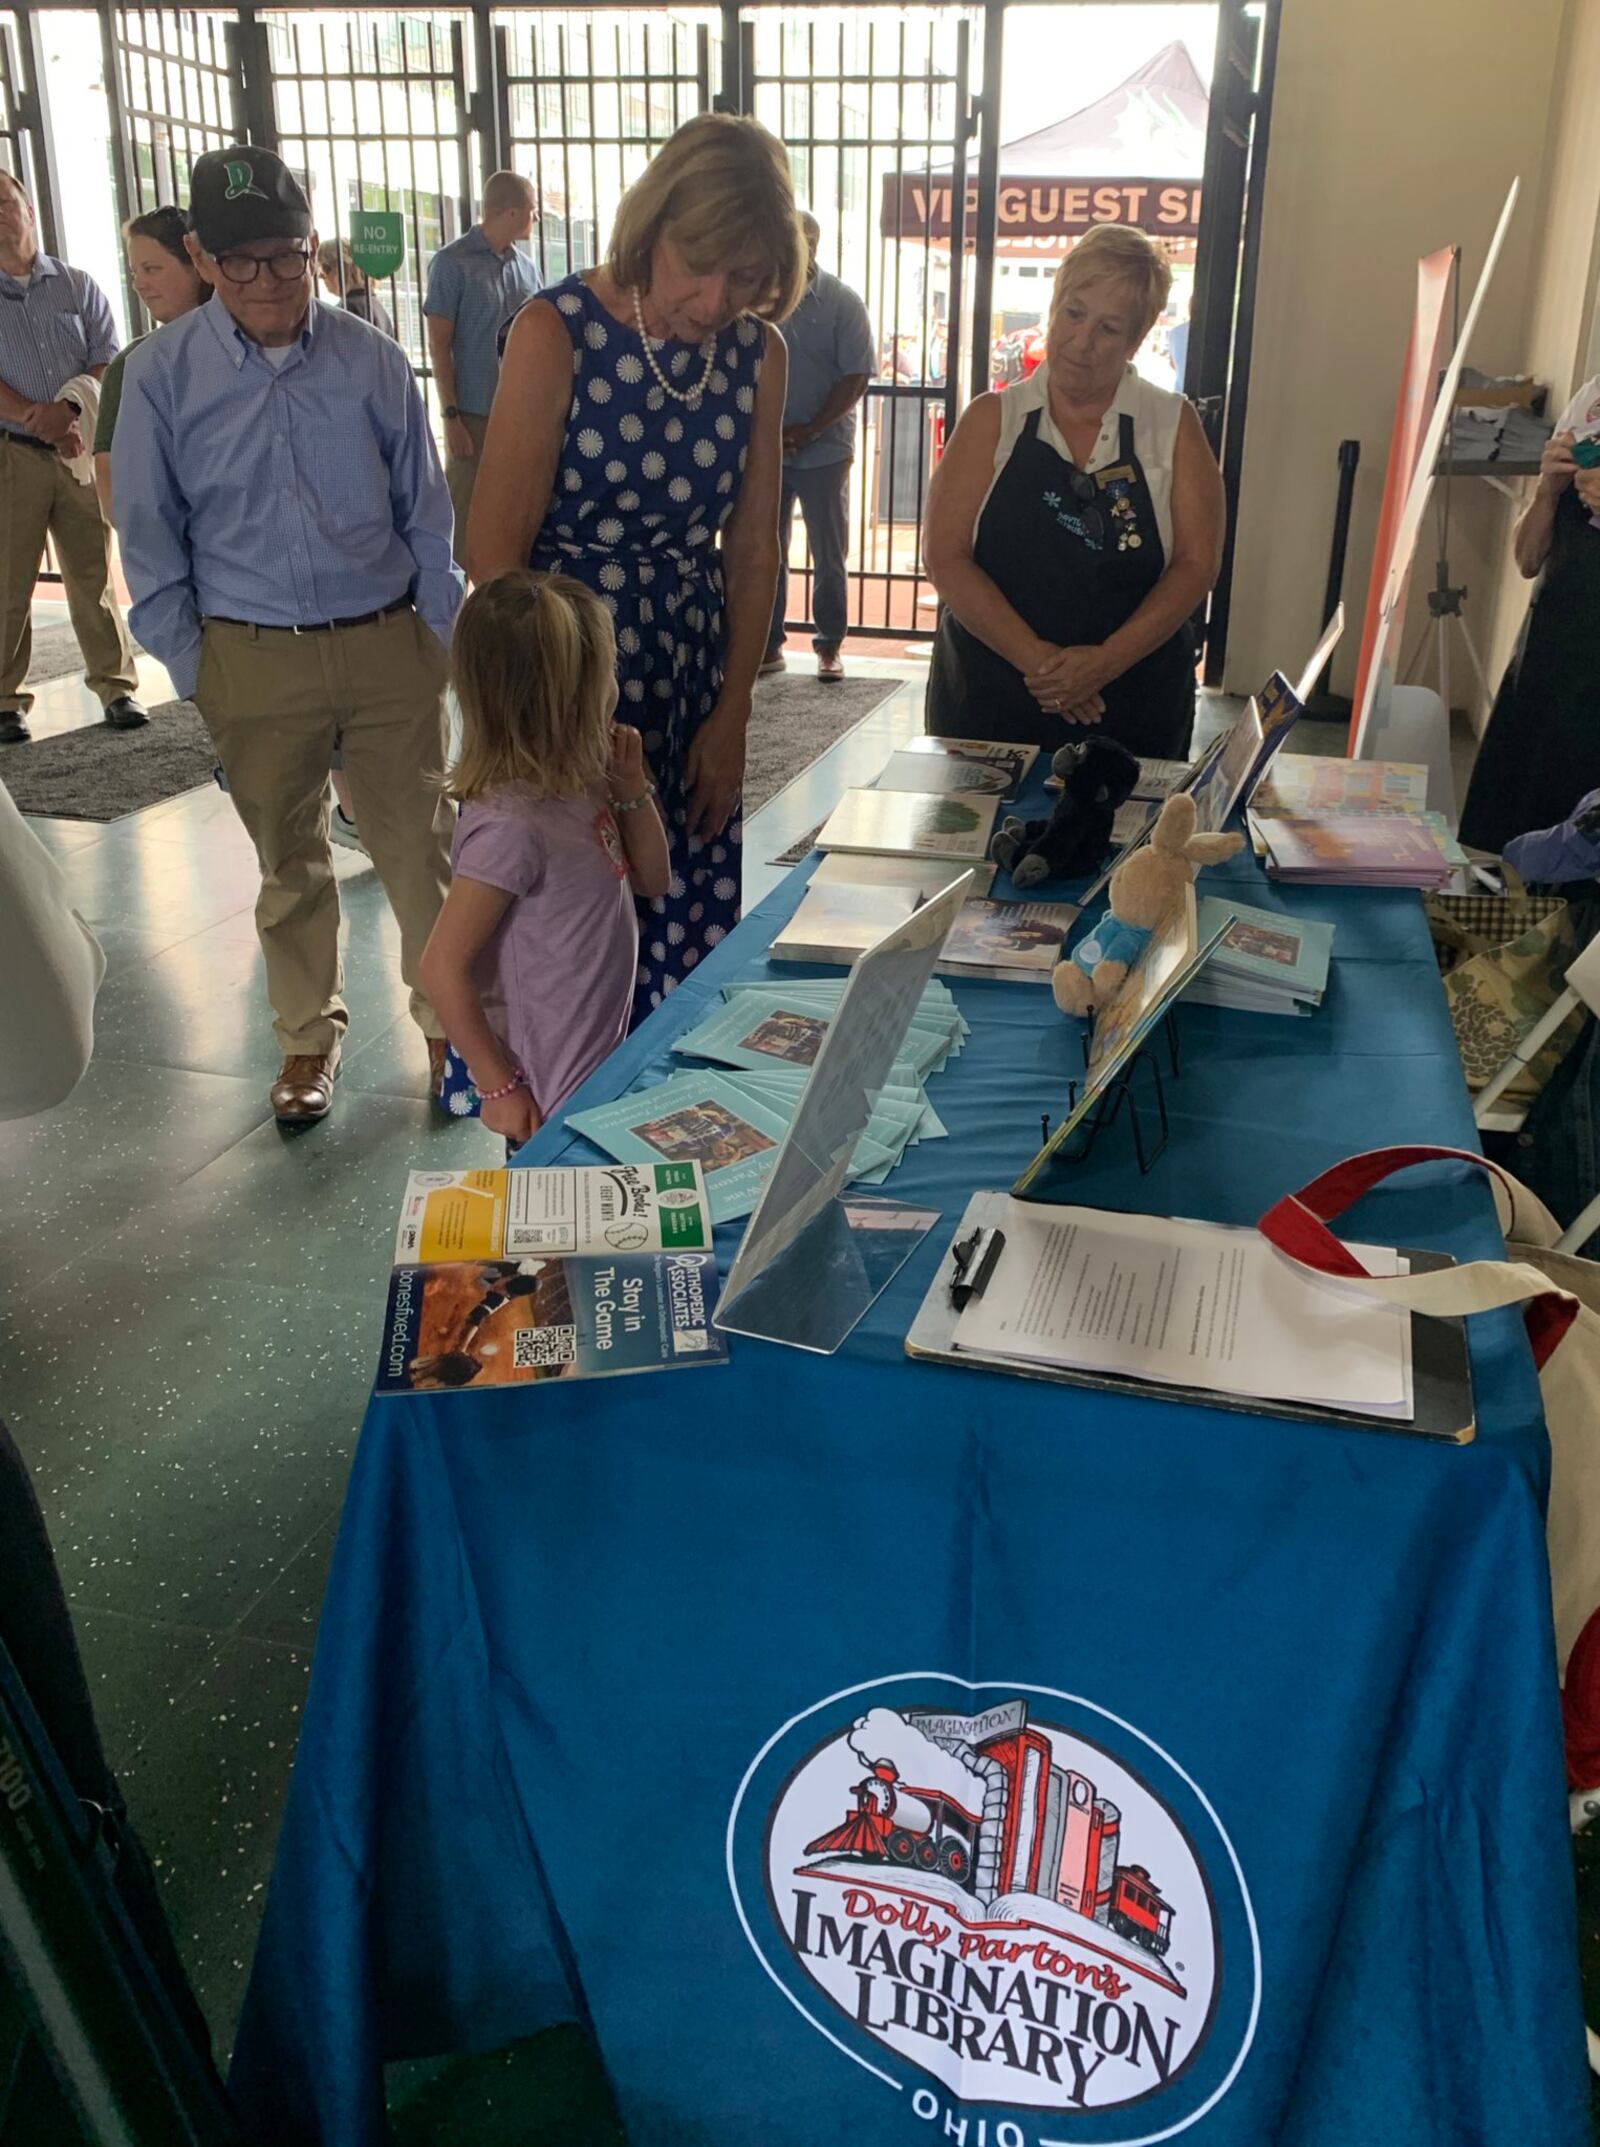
1441,1368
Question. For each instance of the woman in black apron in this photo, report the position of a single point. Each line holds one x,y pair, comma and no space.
1063,602
1541,751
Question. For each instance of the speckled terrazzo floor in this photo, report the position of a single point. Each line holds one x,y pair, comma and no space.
189,1310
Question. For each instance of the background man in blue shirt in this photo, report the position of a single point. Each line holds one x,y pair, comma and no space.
832,354
286,534
55,327
475,285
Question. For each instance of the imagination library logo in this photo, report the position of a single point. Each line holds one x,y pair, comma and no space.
1016,1896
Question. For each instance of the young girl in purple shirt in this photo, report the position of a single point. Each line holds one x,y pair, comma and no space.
532,963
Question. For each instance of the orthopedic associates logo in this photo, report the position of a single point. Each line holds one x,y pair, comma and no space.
1005,1903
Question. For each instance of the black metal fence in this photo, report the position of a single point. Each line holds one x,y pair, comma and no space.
885,110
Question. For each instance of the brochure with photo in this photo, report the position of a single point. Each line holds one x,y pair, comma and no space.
503,1214
696,1117
470,1327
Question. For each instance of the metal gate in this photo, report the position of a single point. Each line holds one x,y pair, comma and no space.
372,111
586,96
875,107
176,75
13,154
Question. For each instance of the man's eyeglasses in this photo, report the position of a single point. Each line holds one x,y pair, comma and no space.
245,267
1086,492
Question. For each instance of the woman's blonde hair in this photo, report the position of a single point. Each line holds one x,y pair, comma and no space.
532,662
721,187
1118,253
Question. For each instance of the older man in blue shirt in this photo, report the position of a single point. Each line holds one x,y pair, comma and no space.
475,285
831,358
56,336
286,534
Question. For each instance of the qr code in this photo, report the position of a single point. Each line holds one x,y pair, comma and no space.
537,1348
690,1342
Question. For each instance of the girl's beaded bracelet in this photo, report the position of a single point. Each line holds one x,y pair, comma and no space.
633,805
492,1095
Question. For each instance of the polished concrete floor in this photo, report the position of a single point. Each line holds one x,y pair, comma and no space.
191,1306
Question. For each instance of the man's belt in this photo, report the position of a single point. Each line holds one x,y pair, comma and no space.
317,626
26,439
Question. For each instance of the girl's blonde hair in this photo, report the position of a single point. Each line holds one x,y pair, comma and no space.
1118,253
721,187
532,662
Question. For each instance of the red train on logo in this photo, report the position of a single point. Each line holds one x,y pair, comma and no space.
1005,1819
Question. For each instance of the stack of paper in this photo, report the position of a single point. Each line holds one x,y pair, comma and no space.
731,1119
1355,849
1265,964
906,823
1197,1307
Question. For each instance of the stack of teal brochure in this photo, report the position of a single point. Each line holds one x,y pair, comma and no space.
731,1116
1266,963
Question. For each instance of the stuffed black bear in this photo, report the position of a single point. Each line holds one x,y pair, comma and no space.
1096,775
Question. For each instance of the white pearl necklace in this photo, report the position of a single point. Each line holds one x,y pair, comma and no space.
679,395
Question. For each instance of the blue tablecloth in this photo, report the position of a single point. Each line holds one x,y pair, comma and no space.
865,1748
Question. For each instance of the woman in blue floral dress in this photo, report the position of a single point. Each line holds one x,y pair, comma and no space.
636,442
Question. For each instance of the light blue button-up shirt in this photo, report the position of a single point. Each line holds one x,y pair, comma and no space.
479,289
284,495
829,334
54,325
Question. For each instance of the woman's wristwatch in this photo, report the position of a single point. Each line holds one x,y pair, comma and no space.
451,410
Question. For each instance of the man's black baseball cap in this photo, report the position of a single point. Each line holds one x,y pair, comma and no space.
240,194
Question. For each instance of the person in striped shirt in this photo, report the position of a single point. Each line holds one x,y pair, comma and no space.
56,339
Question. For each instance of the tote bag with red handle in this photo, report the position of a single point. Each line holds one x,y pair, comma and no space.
1563,1330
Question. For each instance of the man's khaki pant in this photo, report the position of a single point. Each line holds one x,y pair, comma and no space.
272,702
38,496
461,474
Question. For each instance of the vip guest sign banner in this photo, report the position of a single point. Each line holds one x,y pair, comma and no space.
377,241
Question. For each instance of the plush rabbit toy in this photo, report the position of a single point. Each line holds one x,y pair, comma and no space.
1144,888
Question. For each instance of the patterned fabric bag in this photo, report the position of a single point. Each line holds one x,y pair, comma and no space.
1504,959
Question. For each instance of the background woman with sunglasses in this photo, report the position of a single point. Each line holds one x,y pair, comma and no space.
1073,527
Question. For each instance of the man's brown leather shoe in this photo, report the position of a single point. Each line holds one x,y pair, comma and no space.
303,1091
437,1047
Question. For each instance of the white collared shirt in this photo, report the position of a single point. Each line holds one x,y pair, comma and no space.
1156,413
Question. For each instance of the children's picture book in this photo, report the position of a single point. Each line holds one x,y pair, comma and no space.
1006,941
503,1214
927,877
1017,759
956,826
1266,962
938,772
838,921
1353,849
474,1325
1173,955
1309,783
695,1117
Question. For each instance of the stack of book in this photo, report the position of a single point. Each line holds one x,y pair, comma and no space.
1265,963
1352,849
1351,823
730,1117
954,825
